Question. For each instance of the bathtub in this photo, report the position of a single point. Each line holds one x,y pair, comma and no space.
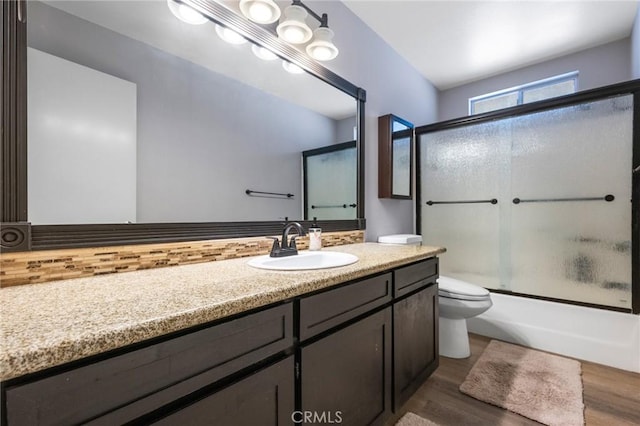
596,335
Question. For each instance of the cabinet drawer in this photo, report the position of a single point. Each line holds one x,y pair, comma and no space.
265,398
414,276
323,311
154,375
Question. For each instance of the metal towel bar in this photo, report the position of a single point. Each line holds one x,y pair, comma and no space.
338,206
491,201
278,194
607,198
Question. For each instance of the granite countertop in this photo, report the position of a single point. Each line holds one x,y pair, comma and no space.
44,325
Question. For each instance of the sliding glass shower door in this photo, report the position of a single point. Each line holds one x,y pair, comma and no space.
460,172
536,204
568,241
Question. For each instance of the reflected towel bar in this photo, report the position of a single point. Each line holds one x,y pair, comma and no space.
491,201
277,194
607,198
339,206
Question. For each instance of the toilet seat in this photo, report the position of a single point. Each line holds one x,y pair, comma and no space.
456,289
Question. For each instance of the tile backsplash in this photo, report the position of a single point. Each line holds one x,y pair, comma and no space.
52,265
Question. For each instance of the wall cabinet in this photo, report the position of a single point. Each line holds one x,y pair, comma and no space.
395,157
350,353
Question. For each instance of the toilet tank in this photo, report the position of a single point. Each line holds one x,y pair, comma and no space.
403,239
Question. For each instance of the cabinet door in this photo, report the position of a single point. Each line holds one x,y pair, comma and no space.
265,398
415,338
346,375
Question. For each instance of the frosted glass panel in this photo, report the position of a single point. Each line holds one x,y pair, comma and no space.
577,250
331,185
466,164
548,244
548,91
494,103
470,234
401,166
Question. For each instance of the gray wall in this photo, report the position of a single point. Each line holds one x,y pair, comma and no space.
190,172
599,66
635,47
393,87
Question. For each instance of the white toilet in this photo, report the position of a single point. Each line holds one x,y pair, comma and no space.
458,300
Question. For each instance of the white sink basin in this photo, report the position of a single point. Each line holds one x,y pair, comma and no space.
304,260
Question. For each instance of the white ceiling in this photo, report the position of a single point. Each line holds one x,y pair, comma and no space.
456,42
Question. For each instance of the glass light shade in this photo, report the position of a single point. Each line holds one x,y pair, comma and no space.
292,68
230,36
260,11
263,53
322,48
186,13
294,28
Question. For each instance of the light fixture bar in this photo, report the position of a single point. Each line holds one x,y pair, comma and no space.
324,19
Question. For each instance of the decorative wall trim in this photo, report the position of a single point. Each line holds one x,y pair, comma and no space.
14,113
15,236
53,265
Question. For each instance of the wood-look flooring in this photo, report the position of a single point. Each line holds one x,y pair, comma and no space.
611,396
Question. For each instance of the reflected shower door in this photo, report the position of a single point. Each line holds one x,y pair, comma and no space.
573,250
330,187
462,165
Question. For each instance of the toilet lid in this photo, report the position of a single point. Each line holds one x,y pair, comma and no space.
456,289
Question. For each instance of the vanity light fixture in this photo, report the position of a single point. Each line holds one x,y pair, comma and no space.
293,28
260,11
230,36
186,13
292,68
263,53
322,48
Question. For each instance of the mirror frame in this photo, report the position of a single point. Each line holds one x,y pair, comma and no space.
17,234
385,155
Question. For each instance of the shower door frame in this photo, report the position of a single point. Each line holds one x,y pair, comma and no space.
627,88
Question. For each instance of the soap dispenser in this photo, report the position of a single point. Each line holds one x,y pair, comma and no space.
315,236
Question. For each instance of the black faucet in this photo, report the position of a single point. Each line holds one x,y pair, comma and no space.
288,246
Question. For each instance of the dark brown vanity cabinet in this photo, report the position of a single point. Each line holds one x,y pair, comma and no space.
350,354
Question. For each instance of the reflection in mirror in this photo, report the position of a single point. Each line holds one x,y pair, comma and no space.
401,158
395,157
326,169
135,116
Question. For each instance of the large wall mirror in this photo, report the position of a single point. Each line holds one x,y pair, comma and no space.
142,128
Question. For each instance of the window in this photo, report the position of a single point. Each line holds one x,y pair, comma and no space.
559,85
